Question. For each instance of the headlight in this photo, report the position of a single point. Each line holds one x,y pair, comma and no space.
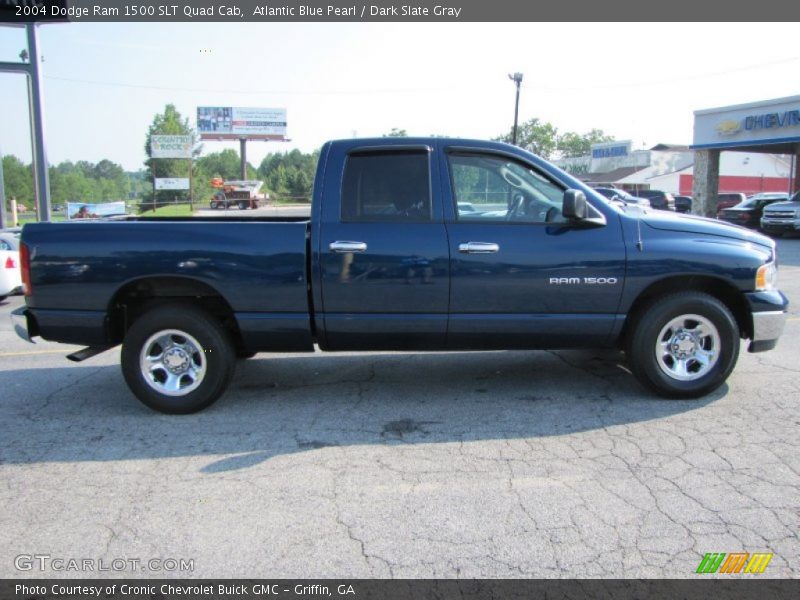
767,277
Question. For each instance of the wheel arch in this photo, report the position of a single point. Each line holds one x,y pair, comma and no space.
716,287
134,297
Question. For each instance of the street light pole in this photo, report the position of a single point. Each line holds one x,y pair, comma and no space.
517,79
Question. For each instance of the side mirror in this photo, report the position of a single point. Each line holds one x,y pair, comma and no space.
574,205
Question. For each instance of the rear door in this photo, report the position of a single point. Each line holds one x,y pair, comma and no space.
383,251
522,277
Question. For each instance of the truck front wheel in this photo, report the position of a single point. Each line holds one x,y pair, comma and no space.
684,345
177,359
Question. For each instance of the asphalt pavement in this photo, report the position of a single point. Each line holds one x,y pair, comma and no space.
488,464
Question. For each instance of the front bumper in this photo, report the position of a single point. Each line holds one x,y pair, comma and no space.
780,226
24,324
768,310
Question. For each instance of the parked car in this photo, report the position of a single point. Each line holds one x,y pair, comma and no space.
658,199
413,244
728,200
683,204
10,280
749,212
782,217
616,193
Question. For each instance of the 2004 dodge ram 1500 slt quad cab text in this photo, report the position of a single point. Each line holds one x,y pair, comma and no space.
412,244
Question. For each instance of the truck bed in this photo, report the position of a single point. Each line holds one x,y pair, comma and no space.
256,267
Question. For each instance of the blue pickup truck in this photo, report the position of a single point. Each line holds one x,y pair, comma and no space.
413,244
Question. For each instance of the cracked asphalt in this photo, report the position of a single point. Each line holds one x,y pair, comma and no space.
492,464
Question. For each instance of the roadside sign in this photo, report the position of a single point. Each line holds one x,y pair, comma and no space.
172,183
171,146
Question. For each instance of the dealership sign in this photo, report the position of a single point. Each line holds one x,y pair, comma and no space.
229,122
171,146
611,149
172,183
771,121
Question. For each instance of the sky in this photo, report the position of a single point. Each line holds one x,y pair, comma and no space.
103,83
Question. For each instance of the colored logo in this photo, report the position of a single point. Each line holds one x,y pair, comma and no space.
735,562
729,127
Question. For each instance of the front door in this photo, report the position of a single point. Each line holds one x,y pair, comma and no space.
522,277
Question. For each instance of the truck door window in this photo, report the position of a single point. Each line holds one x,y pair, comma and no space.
387,186
495,188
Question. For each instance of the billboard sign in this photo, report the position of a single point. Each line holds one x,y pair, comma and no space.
86,210
172,183
171,146
233,123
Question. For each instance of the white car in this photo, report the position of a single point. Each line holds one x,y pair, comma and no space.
10,279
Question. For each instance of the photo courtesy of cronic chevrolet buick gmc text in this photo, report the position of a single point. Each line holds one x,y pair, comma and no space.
413,244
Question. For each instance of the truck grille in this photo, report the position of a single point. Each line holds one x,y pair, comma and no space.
784,214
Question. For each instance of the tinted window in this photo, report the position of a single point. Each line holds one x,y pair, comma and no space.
495,188
386,186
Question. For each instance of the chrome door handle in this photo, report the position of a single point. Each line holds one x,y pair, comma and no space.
479,248
344,247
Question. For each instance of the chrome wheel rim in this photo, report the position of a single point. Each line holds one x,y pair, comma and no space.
688,347
172,362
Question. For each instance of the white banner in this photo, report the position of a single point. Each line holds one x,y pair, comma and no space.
171,146
86,210
172,183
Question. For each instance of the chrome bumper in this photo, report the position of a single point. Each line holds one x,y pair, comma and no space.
19,319
767,328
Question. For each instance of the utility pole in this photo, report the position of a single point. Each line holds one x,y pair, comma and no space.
517,79
243,156
3,216
41,179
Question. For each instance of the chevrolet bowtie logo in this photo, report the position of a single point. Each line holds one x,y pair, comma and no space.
735,562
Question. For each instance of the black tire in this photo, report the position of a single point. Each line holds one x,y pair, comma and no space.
185,327
3,298
244,205
655,365
213,205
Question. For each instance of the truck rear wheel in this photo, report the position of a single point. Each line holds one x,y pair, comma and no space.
684,345
243,205
177,359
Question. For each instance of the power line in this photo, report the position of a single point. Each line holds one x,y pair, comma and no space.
230,91
543,88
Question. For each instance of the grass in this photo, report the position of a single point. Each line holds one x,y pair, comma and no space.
175,210
32,218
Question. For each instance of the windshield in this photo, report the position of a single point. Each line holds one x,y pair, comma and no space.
751,203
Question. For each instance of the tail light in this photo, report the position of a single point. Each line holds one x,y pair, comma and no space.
10,264
25,269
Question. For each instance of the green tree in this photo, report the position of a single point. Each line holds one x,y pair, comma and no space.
170,122
289,175
395,132
537,136
225,164
18,178
572,144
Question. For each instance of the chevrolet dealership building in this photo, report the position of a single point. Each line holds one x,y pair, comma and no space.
766,127
747,148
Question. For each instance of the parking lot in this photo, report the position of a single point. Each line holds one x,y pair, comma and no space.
490,464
